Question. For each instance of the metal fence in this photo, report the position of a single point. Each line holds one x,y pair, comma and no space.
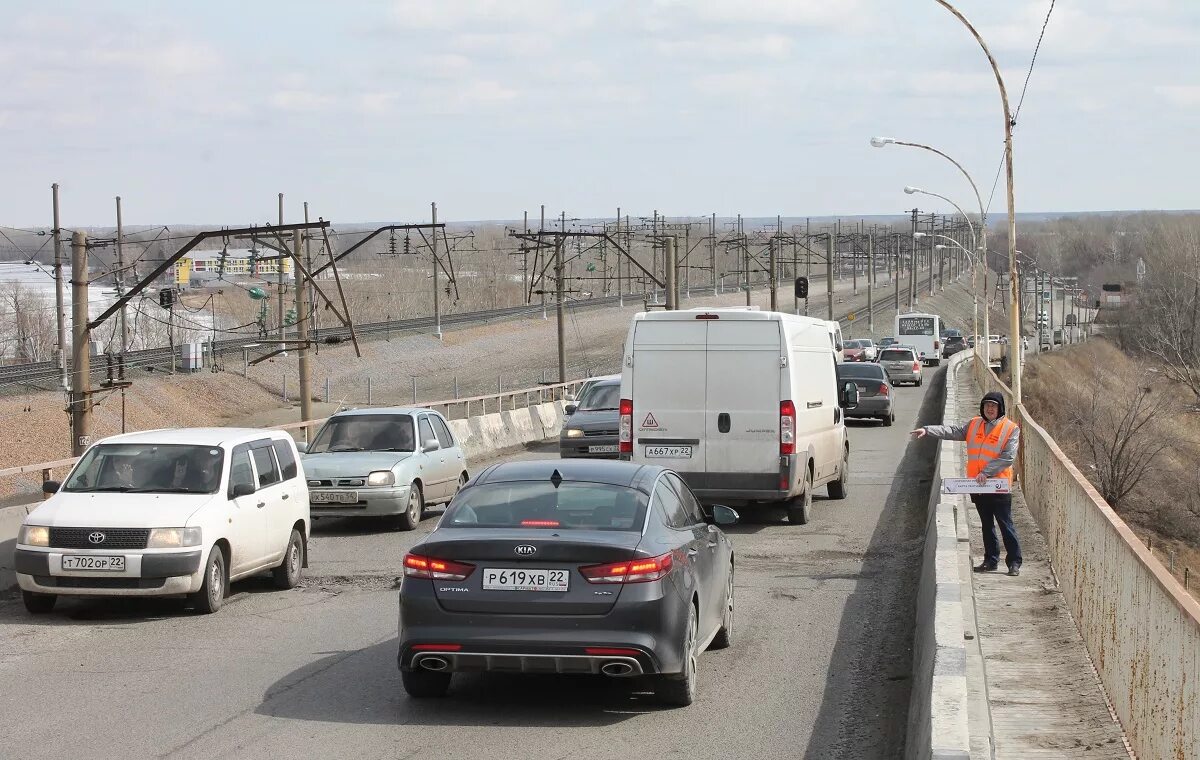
1139,624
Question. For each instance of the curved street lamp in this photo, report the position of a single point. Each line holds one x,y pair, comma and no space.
1014,324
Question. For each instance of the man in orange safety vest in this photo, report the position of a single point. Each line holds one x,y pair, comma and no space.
992,440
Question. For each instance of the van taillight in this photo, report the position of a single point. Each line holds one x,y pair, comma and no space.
625,428
787,427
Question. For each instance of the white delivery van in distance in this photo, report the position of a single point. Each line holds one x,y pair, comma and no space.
835,339
743,404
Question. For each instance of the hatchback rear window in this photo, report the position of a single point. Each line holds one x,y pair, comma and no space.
896,356
526,504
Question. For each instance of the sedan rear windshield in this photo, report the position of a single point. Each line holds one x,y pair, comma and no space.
148,468
896,355
526,504
860,371
365,432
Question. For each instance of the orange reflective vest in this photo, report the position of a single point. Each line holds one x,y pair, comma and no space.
983,447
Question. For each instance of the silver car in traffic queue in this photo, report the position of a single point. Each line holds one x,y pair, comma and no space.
569,566
385,462
902,365
591,428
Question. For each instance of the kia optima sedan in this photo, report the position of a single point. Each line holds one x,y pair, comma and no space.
569,566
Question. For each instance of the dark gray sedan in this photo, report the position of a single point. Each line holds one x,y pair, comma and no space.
875,391
590,430
569,566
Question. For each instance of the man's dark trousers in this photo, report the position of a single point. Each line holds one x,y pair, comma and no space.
992,509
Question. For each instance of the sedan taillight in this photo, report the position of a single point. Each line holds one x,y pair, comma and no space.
883,389
638,570
416,566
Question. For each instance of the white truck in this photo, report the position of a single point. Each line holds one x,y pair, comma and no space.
744,404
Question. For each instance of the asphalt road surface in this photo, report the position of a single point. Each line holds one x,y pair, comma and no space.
820,667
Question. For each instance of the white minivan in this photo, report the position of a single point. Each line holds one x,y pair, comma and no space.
168,512
744,404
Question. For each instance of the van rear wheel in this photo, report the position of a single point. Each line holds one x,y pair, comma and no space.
838,488
799,509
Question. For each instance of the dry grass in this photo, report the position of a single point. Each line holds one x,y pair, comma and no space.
1164,509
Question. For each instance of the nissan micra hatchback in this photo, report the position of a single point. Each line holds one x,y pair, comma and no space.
168,512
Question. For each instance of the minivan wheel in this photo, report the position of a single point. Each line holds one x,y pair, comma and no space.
211,595
411,517
287,575
799,509
839,487
425,684
679,689
38,604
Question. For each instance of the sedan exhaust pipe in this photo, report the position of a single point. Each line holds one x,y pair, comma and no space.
616,669
436,664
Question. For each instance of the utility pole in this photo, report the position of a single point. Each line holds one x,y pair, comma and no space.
670,263
745,249
120,276
437,313
620,285
807,257
654,254
302,337
795,273
712,252
281,288
912,265
871,283
525,261
300,313
773,281
932,251
896,279
538,257
59,295
81,410
829,272
558,289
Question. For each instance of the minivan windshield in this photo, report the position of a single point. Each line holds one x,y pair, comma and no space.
538,504
601,398
148,468
365,432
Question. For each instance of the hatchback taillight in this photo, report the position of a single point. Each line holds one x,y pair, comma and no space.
625,427
638,570
787,428
416,566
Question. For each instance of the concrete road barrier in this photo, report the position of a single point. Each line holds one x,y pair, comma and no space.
938,727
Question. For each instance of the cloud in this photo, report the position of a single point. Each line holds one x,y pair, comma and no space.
767,12
1182,95
490,14
303,101
715,47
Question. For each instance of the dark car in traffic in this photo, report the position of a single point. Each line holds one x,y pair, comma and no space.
572,567
875,396
952,343
591,427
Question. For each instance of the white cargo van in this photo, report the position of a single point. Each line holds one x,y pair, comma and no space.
835,339
744,404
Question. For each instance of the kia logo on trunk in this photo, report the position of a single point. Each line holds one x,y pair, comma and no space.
525,550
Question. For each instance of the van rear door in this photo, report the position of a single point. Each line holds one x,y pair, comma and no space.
669,367
742,420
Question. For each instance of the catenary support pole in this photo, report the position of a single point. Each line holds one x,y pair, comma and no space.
302,315
81,402
60,279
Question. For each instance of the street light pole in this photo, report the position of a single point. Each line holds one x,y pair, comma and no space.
1014,325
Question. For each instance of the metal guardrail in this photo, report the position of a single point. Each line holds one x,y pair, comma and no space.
1140,626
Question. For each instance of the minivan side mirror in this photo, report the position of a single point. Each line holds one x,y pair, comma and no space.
570,409
241,489
50,486
849,399
723,515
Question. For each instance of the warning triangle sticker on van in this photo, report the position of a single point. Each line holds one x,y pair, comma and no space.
650,422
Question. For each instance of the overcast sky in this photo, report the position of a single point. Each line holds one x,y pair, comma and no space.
201,111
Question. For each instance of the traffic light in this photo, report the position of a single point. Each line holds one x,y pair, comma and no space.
802,287
166,298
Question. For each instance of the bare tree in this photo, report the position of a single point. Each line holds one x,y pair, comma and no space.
27,323
1116,431
1165,322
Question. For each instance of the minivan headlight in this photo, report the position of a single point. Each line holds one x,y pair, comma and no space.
173,538
34,535
381,478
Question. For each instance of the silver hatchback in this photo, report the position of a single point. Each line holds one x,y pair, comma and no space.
901,364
